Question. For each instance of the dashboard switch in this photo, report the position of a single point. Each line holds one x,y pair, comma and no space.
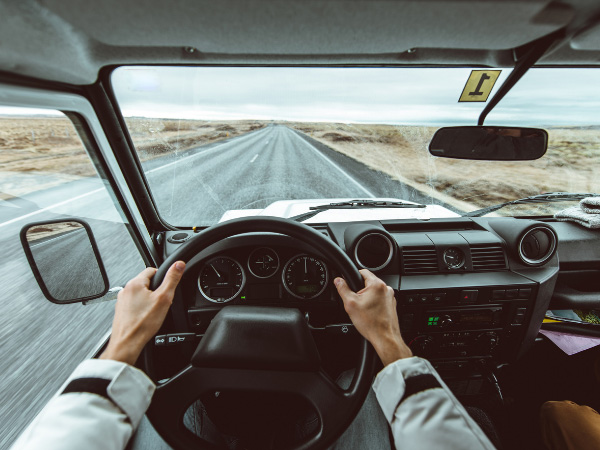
411,299
524,293
341,329
179,338
512,293
424,298
439,297
468,296
499,294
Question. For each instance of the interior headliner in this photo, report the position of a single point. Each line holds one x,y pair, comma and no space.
71,41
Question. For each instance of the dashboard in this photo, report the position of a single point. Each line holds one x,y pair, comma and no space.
467,289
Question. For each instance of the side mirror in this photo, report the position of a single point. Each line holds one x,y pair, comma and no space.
489,143
65,261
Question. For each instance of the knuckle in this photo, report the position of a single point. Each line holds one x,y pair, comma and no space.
379,284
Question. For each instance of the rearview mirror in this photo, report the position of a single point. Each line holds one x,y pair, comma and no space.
65,260
489,143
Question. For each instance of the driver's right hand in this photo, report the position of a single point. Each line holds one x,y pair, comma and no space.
373,313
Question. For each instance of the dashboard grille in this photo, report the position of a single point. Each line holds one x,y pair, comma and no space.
488,257
419,260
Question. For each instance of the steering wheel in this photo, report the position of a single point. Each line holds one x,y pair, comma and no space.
260,349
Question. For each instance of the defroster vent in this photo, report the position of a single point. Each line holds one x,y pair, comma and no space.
419,260
488,257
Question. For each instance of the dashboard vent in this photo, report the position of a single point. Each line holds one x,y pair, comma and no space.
488,257
419,260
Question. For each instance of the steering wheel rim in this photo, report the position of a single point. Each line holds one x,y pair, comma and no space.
171,399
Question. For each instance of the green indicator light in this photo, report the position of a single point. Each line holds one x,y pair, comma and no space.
436,319
243,297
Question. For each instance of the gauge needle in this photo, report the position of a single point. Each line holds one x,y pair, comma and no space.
213,268
305,268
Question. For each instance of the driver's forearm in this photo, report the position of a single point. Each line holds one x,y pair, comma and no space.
99,408
422,411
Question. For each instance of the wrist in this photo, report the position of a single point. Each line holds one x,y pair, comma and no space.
116,352
390,350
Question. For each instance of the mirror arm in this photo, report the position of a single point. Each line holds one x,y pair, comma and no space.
109,296
523,64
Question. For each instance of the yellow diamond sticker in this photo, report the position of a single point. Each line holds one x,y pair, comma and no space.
479,85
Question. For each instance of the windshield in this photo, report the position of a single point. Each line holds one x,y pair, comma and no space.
217,139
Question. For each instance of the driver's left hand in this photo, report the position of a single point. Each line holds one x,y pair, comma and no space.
140,312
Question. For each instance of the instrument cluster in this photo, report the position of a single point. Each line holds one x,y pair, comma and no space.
262,273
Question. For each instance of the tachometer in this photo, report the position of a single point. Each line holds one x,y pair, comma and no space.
221,279
305,277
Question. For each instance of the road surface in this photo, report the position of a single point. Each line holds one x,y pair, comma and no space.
43,342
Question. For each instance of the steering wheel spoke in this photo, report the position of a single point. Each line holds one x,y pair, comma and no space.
260,350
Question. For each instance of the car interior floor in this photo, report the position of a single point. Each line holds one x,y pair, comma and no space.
544,374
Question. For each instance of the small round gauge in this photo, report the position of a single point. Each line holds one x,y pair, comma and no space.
305,276
263,262
454,258
221,279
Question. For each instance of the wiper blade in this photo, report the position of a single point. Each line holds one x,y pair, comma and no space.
354,204
540,198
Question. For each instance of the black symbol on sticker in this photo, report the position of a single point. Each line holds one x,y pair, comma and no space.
477,91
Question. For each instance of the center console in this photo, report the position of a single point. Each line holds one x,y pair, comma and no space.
463,323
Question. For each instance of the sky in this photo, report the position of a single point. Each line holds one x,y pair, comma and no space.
410,96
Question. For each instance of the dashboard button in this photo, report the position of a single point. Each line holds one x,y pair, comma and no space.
411,299
524,293
499,294
180,338
439,297
512,293
468,296
424,298
341,329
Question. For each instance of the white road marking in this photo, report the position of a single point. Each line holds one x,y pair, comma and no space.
254,159
48,208
338,168
185,159
56,205
33,244
203,152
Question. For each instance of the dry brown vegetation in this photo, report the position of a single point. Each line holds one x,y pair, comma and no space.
51,147
401,151
158,137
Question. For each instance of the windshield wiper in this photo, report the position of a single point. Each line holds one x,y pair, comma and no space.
541,198
354,204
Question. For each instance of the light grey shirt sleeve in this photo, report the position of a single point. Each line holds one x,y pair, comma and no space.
83,420
422,411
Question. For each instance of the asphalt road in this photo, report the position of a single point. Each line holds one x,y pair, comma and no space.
41,342
254,170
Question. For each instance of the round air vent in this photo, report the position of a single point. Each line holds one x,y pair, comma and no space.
373,251
178,238
537,245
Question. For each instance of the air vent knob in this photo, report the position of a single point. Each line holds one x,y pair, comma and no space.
446,321
421,345
487,342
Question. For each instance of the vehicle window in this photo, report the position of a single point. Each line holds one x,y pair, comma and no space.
47,174
213,140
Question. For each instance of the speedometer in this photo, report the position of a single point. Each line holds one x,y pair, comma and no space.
305,277
221,279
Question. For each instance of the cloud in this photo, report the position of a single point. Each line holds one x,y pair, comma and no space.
358,95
